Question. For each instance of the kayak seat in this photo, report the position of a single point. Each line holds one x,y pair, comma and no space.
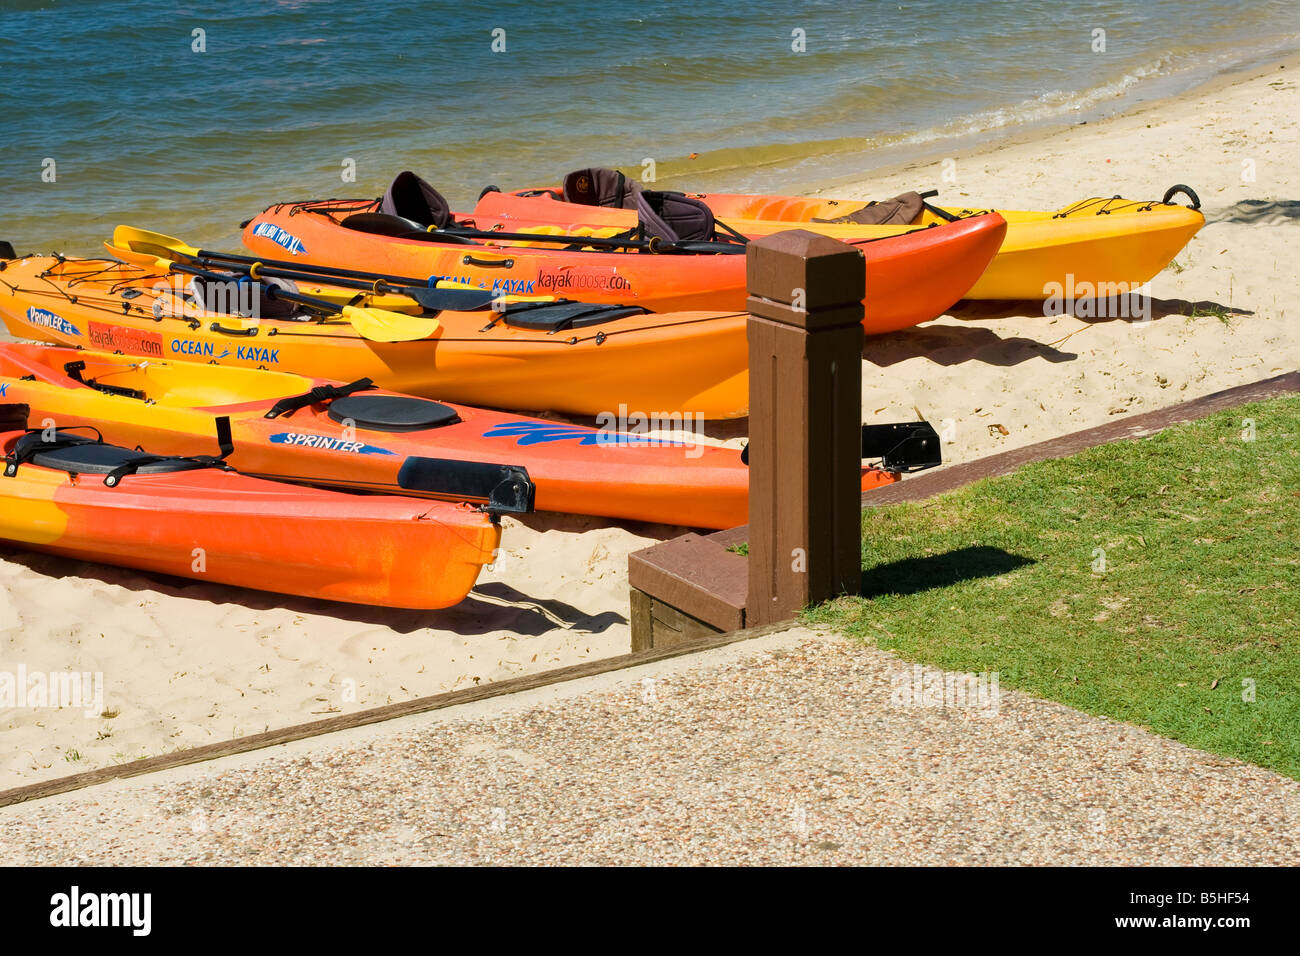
562,316
89,457
391,413
410,197
903,210
674,217
600,186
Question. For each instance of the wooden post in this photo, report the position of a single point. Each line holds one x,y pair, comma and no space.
805,456
805,422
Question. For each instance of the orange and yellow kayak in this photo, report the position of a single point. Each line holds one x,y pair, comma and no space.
1110,245
543,359
913,274
296,428
183,517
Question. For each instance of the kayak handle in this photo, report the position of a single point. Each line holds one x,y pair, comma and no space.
218,327
487,263
1187,191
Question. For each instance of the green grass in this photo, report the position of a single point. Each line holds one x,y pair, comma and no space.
1200,532
1217,311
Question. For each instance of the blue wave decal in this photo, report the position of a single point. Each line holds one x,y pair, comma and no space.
329,444
539,433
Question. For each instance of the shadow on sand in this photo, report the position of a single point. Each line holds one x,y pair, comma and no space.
491,606
1258,212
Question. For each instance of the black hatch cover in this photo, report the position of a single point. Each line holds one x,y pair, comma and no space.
391,413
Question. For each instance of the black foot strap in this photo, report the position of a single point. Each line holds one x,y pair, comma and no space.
321,393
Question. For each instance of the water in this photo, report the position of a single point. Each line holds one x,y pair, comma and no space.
145,130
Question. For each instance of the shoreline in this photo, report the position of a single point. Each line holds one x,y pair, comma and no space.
974,146
972,143
242,661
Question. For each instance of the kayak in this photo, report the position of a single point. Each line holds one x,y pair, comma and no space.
913,274
1111,245
543,356
82,498
296,428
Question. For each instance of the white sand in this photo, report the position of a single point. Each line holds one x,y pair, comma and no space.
191,664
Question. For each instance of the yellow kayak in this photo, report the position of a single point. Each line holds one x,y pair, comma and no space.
1110,245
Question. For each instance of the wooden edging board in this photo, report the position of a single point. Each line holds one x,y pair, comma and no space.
374,715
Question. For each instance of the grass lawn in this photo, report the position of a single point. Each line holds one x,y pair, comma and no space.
1155,582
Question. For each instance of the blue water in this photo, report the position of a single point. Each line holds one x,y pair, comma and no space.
142,128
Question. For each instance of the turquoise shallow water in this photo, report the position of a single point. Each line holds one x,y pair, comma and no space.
143,128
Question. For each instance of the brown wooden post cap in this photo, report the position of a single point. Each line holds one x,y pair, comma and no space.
800,265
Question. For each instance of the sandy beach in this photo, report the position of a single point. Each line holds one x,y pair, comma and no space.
186,664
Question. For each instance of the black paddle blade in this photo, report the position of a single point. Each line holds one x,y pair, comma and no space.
382,224
451,300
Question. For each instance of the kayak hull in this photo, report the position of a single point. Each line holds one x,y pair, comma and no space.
1112,244
238,530
574,469
913,274
684,363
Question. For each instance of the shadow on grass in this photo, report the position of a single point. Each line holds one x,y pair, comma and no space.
914,575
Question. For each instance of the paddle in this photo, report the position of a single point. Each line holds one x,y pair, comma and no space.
377,325
378,223
144,247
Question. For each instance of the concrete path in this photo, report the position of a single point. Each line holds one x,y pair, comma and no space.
789,749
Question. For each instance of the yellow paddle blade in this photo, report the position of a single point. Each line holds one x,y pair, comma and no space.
379,325
142,240
146,259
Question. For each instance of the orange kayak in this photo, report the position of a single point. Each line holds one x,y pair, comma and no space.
183,517
913,275
558,357
296,428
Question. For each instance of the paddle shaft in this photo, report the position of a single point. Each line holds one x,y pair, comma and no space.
307,268
275,292
648,245
379,286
